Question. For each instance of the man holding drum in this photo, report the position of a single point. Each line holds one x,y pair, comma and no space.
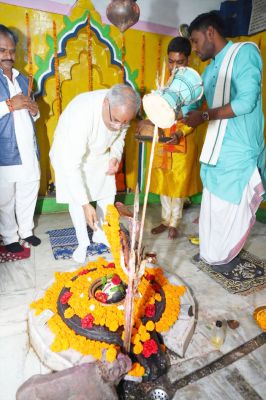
233,155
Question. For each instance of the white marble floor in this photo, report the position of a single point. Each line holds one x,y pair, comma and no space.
21,280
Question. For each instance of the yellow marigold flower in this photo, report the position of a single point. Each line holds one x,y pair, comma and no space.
150,326
111,354
56,345
96,353
113,326
64,344
69,312
137,349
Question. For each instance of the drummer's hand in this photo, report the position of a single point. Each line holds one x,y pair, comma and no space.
90,216
193,119
143,123
113,166
176,137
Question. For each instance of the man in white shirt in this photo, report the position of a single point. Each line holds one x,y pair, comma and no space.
86,153
19,166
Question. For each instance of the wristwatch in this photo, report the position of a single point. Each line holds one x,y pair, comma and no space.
205,116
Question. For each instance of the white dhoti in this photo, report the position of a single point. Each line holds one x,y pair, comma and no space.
224,227
172,209
17,206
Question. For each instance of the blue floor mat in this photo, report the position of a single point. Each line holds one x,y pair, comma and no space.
64,242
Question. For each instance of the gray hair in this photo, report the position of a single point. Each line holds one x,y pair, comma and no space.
7,32
122,94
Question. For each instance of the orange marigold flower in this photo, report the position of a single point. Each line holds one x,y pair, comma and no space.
158,297
137,370
135,338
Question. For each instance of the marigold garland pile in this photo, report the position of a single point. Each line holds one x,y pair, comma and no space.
92,312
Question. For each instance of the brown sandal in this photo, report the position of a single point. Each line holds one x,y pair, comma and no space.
159,229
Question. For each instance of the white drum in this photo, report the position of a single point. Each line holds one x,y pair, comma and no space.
160,106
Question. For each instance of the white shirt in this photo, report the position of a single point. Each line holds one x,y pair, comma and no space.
81,151
29,170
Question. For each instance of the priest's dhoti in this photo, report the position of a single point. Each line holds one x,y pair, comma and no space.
224,227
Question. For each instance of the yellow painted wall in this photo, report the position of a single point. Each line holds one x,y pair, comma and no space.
74,70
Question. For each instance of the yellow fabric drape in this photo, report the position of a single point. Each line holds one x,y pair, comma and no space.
180,177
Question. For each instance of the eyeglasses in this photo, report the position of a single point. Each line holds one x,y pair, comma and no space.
116,124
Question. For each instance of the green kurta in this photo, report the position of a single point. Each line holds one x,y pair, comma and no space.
243,147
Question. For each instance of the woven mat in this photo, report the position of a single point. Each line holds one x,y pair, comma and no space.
7,256
247,277
64,242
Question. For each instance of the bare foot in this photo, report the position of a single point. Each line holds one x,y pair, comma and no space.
159,229
172,232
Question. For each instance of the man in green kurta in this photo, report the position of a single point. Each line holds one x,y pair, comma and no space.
233,155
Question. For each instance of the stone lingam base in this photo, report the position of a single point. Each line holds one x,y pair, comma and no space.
70,362
175,339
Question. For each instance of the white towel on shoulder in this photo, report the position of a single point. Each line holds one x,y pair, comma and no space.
216,129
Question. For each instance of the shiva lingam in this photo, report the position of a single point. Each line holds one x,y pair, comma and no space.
108,290
123,13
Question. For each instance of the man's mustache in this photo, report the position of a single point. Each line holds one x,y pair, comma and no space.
8,60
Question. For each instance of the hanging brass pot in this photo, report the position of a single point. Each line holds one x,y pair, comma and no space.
123,13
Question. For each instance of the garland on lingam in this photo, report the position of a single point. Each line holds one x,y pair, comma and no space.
89,309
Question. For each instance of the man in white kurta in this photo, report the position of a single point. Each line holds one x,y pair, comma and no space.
86,153
19,165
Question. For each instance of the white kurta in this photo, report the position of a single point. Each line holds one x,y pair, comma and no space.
81,151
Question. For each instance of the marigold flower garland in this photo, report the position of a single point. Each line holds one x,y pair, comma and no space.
142,65
89,54
56,72
29,53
